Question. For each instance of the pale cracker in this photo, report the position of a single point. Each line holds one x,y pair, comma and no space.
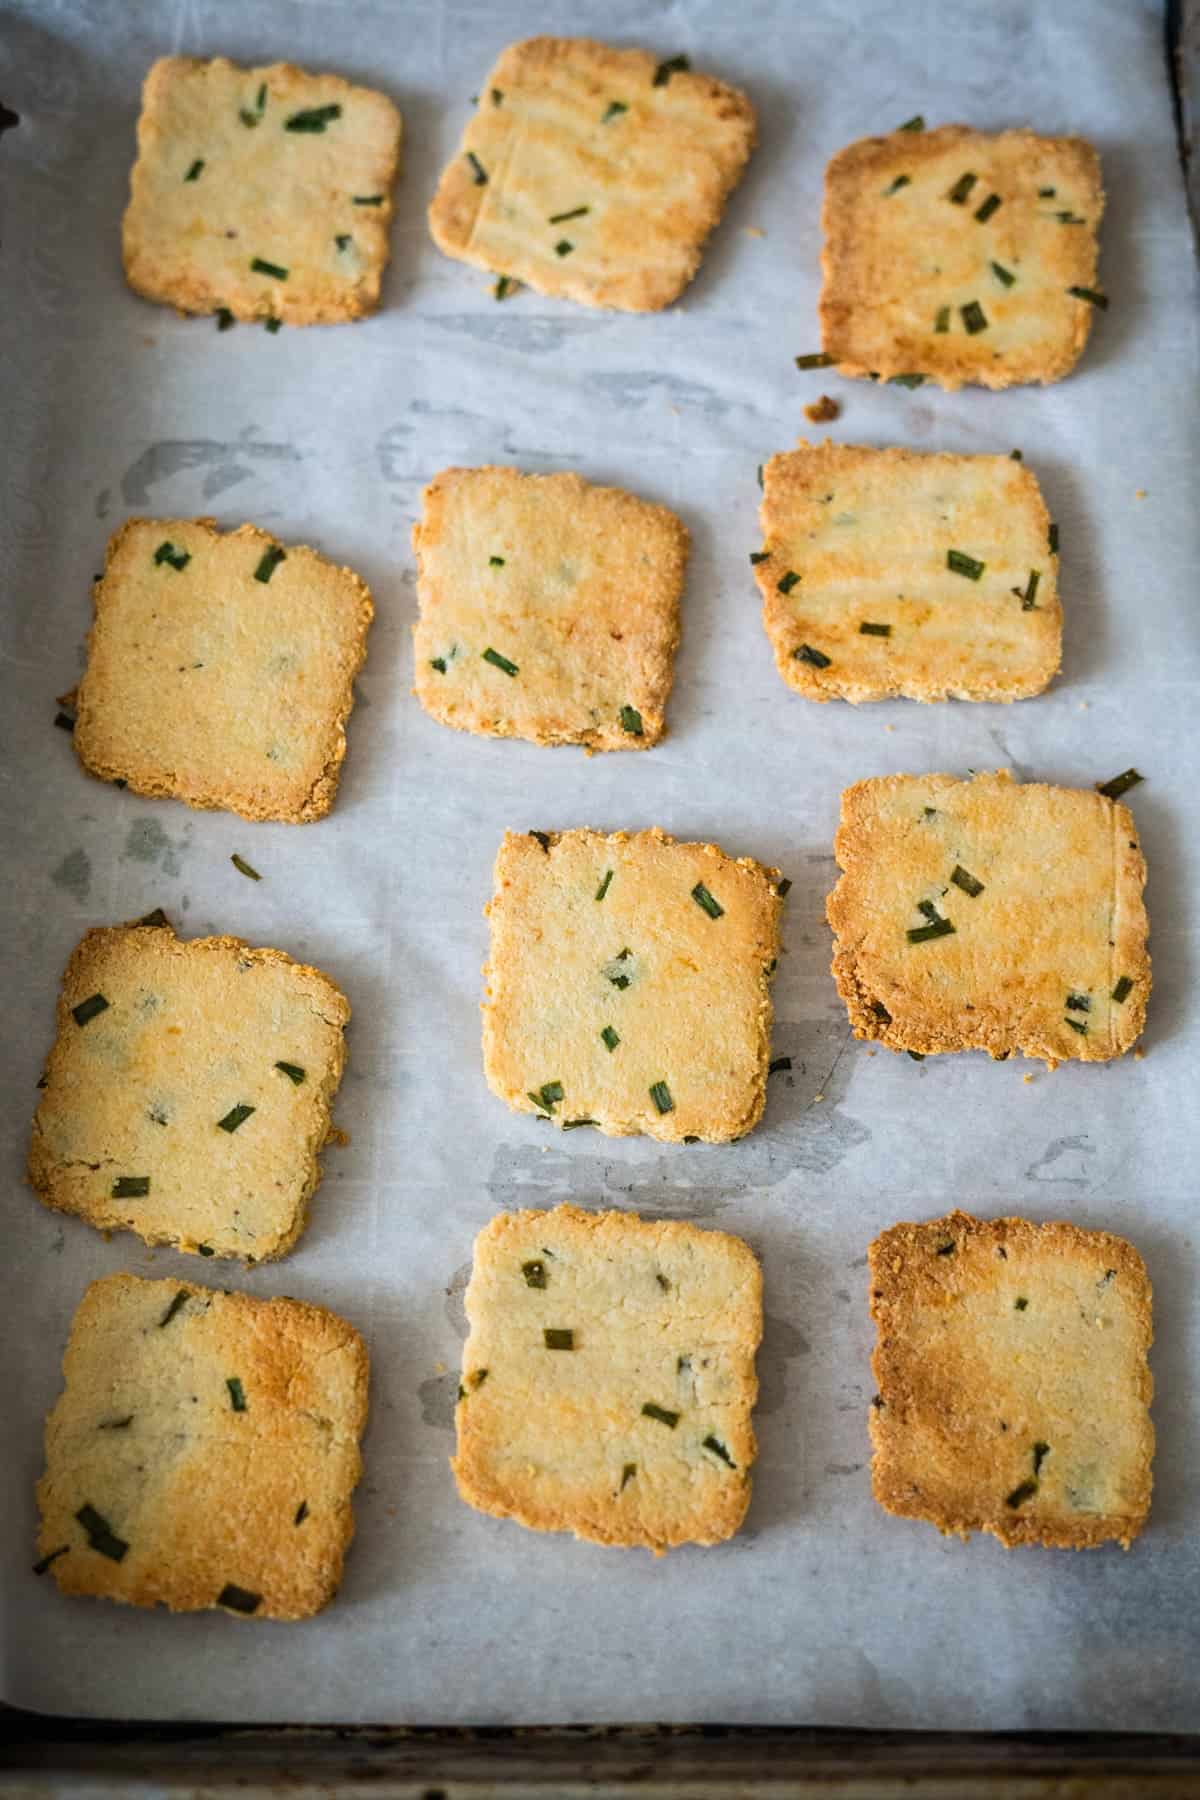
204,1450
628,983
592,173
221,669
1048,956
571,587
863,583
659,1316
1014,1389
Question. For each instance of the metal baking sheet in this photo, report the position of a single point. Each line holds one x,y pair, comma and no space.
823,1610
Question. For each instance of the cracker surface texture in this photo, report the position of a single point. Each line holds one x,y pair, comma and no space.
188,1092
592,174
990,915
952,254
204,1450
888,572
628,983
549,608
1014,1387
266,192
639,1433
221,669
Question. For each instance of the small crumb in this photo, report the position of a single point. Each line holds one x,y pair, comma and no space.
754,231
817,1097
889,728
1083,705
1139,493
870,1053
1139,1054
1027,1079
822,410
439,1368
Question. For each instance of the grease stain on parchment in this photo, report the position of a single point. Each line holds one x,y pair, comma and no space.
531,336
632,389
439,1395
227,464
147,842
74,875
781,1344
1074,1148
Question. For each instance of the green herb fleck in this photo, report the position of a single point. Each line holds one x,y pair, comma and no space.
261,99
1120,784
193,173
962,564
660,1093
618,979
627,1475
576,212
43,1563
543,838
343,240
1077,1025
867,629
942,322
438,663
88,1009
499,662
367,199
100,1533
1002,274
1122,990
239,1599
1028,595
205,1250
807,654
1040,1453
556,1339
661,1413
272,325
477,169
131,1187
718,1449
604,885
313,118
674,65
243,867
247,117
966,882
237,1394
301,1513
178,1301
609,1038
901,181
614,109
504,286
961,190
534,1273
1020,1303
760,478
1052,538
924,934
225,319
167,553
1047,193
1025,1491
1078,1003
1091,296
269,562
563,247
64,721
946,1249
237,1115
760,556
916,123
157,917
704,899
547,1096
816,359
973,317
906,381
261,267
783,887
574,1124
293,1071
991,204
787,582
1015,456
631,721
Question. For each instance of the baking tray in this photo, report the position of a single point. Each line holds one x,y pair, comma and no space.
823,1610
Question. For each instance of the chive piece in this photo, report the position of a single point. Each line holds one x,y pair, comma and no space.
1003,274
627,1475
661,1413
563,247
718,1449
269,562
497,96
962,188
314,118
301,1513
816,359
239,1599
116,1424
477,169
495,562
157,917
1047,193
901,181
1122,990
248,118
343,240
534,1273
205,1250
438,663
966,882
604,885
756,557
1015,456
1078,1003
577,212
499,662
631,721
807,654
906,381
555,1339
760,470
64,721
261,97
43,1562
1019,1495
916,123
293,1071
919,1056
261,267
101,1535
1068,218
991,204
942,322
973,317
504,286
1120,784
787,582
272,325
609,1038
674,65
1040,1453
928,908
237,1115
613,110
1020,1303
225,319
1052,538
962,564
237,1394
87,1009
618,979
131,1187
660,1093
1076,1025
784,887
543,838
367,199
243,867
946,1249
548,1095
167,553
778,1064
923,934
193,173
1091,296
178,1301
867,629
1029,595
704,899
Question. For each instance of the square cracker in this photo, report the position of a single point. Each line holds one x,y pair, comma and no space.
1043,889
141,1123
902,258
592,174
576,587
1014,1390
244,167
857,537
221,669
210,1443
628,983
660,1315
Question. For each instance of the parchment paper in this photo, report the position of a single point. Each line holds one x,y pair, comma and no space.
823,1610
